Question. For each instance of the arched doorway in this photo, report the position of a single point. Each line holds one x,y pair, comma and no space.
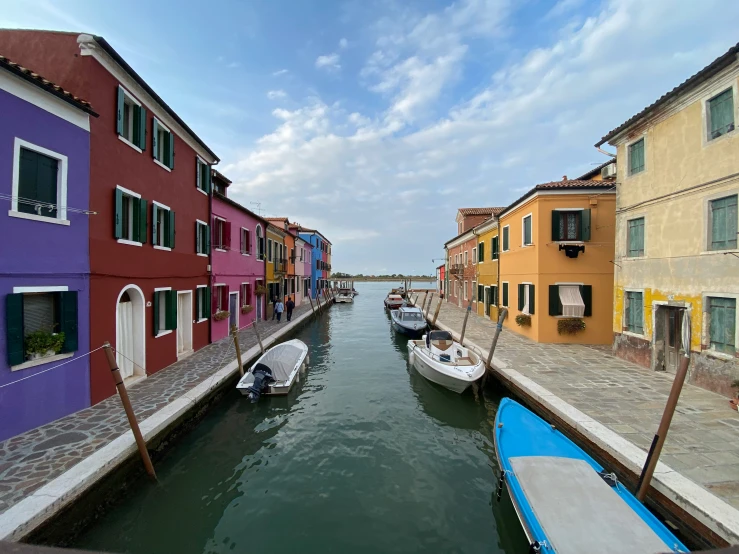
130,333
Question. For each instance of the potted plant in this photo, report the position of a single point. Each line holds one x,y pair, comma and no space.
42,344
523,320
734,402
260,290
570,326
221,315
246,309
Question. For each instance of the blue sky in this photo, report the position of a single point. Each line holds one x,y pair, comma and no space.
374,120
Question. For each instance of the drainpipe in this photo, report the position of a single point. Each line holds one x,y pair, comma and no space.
599,149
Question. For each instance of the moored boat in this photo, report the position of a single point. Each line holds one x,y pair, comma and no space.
276,371
564,499
345,295
445,362
393,301
408,320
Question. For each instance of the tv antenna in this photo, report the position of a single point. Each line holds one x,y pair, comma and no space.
259,207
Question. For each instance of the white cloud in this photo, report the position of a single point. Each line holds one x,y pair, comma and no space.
343,43
276,94
280,72
329,62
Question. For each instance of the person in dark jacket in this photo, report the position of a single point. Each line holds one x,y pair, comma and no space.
274,307
290,307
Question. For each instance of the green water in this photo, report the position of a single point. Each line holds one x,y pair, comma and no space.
364,455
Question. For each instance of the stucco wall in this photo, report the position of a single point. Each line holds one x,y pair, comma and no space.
487,271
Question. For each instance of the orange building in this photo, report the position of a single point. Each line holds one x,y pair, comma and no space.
556,268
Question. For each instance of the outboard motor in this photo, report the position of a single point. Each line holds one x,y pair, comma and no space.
262,379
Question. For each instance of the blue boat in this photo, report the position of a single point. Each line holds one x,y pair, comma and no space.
566,502
409,320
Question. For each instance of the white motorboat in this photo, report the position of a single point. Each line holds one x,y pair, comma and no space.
275,371
408,320
445,362
345,295
393,301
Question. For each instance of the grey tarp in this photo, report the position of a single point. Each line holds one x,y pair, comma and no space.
281,359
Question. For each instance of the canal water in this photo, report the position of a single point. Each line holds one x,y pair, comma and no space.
364,455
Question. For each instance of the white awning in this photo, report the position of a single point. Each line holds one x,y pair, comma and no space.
572,304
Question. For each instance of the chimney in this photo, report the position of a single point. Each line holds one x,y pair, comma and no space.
564,177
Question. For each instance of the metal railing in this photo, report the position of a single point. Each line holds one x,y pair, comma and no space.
456,269
280,265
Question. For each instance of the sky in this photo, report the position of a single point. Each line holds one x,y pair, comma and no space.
375,120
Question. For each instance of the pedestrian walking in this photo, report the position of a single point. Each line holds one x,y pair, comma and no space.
274,307
279,308
290,307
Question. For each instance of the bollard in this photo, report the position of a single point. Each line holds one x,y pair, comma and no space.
464,325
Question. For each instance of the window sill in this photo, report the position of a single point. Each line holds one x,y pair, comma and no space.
129,143
130,242
727,251
221,250
166,248
41,218
203,255
160,164
719,355
201,191
245,254
709,141
42,361
635,335
527,245
162,333
627,258
201,320
573,242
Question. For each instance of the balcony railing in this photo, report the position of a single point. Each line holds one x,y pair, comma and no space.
280,265
456,269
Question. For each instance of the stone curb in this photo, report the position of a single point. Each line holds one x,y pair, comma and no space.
711,511
24,517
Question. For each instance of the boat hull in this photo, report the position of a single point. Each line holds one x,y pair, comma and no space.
282,388
427,368
408,332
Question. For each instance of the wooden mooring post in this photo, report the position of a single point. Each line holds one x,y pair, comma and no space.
235,335
126,401
428,308
498,328
312,309
464,325
436,312
318,302
259,339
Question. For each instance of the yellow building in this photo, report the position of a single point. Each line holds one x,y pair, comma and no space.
556,252
486,292
276,264
676,227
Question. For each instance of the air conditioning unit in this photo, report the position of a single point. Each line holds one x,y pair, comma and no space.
609,171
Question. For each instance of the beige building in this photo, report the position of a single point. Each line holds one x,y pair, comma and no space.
676,227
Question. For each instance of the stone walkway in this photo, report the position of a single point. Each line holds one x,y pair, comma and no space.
30,460
703,442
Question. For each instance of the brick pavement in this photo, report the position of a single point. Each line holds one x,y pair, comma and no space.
703,442
32,459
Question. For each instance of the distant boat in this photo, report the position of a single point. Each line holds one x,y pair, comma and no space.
408,320
345,295
445,362
564,499
275,371
393,301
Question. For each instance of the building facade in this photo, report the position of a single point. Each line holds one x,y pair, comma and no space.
556,251
676,228
44,289
488,249
299,270
462,272
276,265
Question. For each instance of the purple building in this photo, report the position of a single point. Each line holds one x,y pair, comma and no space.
44,274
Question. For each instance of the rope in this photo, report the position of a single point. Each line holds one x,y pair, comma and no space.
48,205
49,369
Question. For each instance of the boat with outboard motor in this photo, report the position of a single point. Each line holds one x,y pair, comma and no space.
275,372
408,320
344,295
445,362
393,301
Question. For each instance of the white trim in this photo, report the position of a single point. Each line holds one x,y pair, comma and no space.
130,242
523,227
160,164
202,255
219,217
129,143
42,218
163,206
238,307
61,185
131,97
22,290
220,250
163,126
474,255
41,361
189,320
162,288
128,192
459,240
200,320
162,333
201,222
166,248
139,357
46,101
201,191
509,240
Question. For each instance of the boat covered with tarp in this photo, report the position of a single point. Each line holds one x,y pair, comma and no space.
276,371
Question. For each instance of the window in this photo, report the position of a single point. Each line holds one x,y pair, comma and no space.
506,238
465,290
494,247
245,241
202,238
721,114
220,298
635,237
571,300
162,144
722,330
475,298
130,216
260,243
526,298
245,294
634,312
636,157
162,226
456,291
202,301
493,295
221,234
504,302
203,177
30,316
723,223
526,231
39,189
165,311
269,250
456,259
570,225
474,255
481,252
480,293
465,258
131,120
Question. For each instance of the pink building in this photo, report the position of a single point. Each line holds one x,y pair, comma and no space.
237,250
300,270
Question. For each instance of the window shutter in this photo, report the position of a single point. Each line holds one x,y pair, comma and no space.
227,235
555,304
69,320
14,329
119,102
496,247
481,252
224,297
555,225
154,223
247,246
171,310
208,179
199,174
170,150
207,302
154,138
505,294
520,296
171,229
142,221
585,225
157,299
214,298
586,292
118,223
207,240
532,296
141,128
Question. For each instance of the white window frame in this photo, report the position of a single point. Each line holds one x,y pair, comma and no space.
219,295
197,293
215,231
159,228
258,230
571,284
492,296
482,242
248,252
198,162
61,184
135,195
242,296
132,98
166,331
199,223
643,315
465,290
474,255
706,338
501,293
523,228
456,289
154,154
706,112
502,242
466,258
475,299
270,254
628,156
526,296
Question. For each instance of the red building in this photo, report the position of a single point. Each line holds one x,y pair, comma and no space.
150,189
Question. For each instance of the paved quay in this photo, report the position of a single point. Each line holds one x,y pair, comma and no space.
31,460
703,442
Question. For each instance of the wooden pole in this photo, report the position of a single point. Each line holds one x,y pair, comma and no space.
235,335
129,410
318,301
436,313
259,339
312,309
664,425
425,297
498,328
428,308
464,325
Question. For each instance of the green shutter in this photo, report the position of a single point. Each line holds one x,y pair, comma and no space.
505,294
532,299
496,247
119,119
481,252
724,223
636,157
722,113
154,223
506,237
207,239
141,228
141,135
209,178
171,230
520,296
586,292
585,225
154,138
69,320
171,310
723,324
555,304
555,225
170,150
14,329
118,222
208,296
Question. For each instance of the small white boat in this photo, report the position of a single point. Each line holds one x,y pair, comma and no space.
445,362
393,301
275,371
408,320
345,295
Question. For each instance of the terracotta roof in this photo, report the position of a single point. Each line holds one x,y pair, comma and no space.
596,170
48,86
480,211
566,184
704,74
221,177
